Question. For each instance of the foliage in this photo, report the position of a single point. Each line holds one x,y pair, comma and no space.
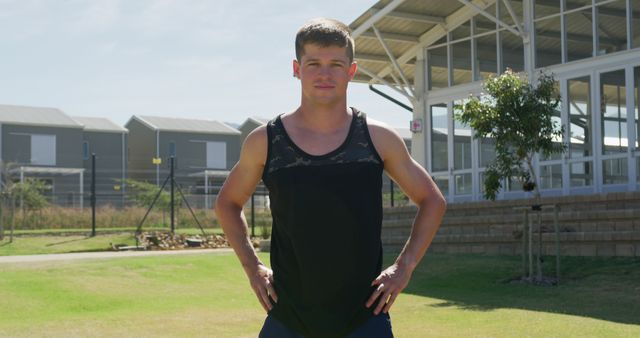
143,194
518,116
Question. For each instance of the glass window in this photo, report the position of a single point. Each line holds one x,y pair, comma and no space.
613,112
580,117
437,60
573,4
85,150
612,28
581,174
461,62
443,184
486,60
439,135
548,43
579,35
487,151
615,171
461,144
636,93
512,51
462,31
546,8
504,13
463,184
514,184
483,24
551,176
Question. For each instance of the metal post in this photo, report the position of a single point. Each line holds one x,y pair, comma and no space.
530,239
525,221
253,215
391,190
173,225
93,194
206,190
556,210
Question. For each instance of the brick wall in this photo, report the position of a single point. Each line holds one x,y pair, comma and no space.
590,225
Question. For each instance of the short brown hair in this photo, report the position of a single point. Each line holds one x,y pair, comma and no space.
324,32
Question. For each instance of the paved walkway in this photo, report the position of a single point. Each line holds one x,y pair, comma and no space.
107,255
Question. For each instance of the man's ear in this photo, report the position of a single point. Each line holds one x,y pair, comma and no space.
353,69
296,68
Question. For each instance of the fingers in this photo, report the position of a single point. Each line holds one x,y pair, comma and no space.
374,295
272,291
261,300
390,302
383,300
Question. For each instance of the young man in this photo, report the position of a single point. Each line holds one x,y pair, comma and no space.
323,164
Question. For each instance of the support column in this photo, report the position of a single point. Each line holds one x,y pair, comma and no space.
527,40
419,140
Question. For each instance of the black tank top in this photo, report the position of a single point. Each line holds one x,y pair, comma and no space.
325,242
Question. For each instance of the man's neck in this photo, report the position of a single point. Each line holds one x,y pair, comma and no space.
322,117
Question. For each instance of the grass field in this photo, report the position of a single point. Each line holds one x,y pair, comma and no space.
207,295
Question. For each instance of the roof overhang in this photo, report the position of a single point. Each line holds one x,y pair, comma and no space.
391,35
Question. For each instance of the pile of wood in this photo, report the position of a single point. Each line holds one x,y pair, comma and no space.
168,241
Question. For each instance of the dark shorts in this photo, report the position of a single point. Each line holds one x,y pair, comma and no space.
377,327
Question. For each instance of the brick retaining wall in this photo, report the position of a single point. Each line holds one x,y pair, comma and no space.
590,225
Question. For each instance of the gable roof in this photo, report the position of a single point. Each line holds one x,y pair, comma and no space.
184,125
254,119
99,124
36,116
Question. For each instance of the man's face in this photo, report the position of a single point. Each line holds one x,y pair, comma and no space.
324,73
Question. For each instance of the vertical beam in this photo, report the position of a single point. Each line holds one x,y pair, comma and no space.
594,30
206,190
81,190
563,34
124,168
499,60
528,44
22,194
158,156
2,167
449,61
630,36
631,128
419,142
475,66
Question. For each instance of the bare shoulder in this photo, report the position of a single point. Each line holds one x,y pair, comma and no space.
386,139
254,148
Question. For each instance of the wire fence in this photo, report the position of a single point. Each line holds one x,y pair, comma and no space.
65,201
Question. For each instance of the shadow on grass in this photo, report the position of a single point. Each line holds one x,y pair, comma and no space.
601,288
68,241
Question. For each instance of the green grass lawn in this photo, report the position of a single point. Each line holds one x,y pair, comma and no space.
208,295
36,242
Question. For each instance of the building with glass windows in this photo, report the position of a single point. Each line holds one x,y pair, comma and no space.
436,53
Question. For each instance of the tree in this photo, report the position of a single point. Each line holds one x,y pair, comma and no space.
518,116
28,193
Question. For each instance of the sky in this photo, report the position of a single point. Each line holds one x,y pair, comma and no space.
207,59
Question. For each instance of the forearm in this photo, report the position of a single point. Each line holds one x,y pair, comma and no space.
425,226
234,226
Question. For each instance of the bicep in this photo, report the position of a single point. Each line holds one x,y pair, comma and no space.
404,170
246,174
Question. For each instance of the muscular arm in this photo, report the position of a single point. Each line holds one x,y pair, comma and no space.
235,192
420,188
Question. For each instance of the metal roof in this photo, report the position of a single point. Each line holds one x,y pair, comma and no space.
39,116
254,119
185,125
99,124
